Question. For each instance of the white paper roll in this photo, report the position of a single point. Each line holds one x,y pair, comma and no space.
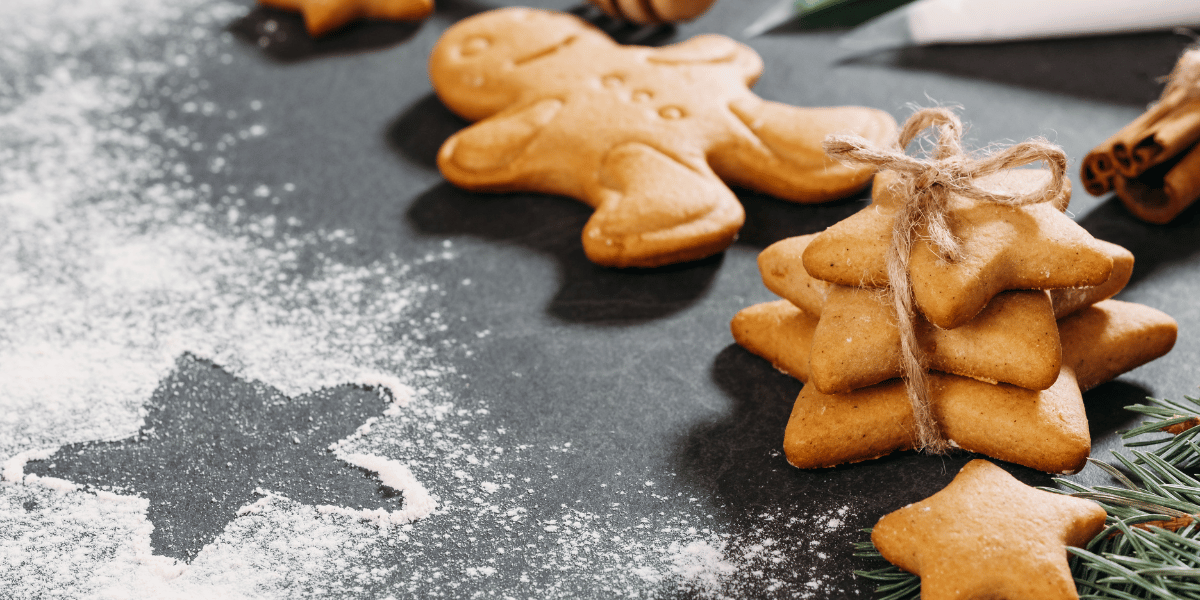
962,21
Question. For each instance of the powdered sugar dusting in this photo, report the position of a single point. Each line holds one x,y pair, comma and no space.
124,246
418,503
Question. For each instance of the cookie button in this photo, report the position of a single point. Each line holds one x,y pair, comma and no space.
474,45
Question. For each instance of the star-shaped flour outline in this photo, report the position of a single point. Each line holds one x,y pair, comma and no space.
200,421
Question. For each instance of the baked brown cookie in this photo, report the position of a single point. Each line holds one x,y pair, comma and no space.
323,16
1045,430
1014,339
654,11
856,343
987,535
1033,246
646,136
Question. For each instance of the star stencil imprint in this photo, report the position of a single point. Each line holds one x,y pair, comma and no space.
209,440
323,16
988,535
646,136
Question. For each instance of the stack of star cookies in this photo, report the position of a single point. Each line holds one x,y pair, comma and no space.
1011,333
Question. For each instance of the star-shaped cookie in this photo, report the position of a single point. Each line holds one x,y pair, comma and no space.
654,11
987,535
646,136
1034,246
856,343
323,16
1045,430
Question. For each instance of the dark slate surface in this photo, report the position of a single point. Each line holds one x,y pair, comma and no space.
637,369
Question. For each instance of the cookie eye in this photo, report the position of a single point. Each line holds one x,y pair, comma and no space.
642,95
475,44
612,81
671,112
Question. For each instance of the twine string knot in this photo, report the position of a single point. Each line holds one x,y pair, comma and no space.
928,186
1185,76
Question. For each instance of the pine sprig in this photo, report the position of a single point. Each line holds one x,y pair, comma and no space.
1177,422
1150,547
893,582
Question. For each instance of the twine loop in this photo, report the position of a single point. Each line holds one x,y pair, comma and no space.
929,184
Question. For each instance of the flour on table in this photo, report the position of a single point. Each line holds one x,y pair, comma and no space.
123,247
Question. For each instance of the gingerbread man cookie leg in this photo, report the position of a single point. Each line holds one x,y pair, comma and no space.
651,208
634,132
658,211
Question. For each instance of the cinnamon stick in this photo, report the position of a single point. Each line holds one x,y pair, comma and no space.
1122,141
1098,170
1112,157
1153,162
1161,193
1175,132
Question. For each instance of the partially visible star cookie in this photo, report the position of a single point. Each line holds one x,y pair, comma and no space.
1045,430
987,535
1014,339
648,137
1034,246
323,16
654,11
782,267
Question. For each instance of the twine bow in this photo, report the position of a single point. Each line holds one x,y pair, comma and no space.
930,183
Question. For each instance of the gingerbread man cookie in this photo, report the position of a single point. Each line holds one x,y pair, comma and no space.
646,136
323,16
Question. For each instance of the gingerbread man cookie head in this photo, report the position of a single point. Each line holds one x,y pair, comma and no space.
481,65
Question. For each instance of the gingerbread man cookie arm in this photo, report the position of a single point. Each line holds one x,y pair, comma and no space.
779,148
654,210
492,155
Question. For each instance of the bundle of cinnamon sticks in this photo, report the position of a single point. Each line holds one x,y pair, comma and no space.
1154,162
